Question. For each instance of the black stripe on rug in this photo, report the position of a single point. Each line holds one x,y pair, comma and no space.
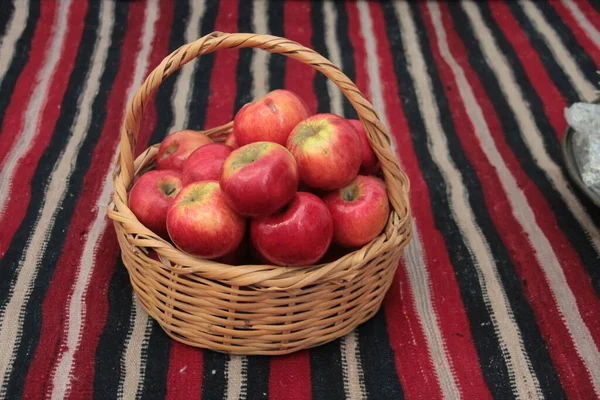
19,60
166,90
257,377
522,311
82,165
63,130
318,44
346,50
277,62
378,366
558,76
214,378
325,361
378,362
7,9
214,381
486,342
568,39
515,138
7,86
107,366
326,374
244,78
203,68
257,368
159,343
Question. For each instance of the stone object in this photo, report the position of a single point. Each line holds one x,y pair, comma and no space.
584,118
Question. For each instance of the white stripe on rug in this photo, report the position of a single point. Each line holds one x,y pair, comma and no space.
8,42
236,373
589,29
260,84
244,389
55,192
353,376
333,46
33,113
528,129
522,211
76,308
562,56
236,367
414,253
509,335
508,332
134,350
11,316
184,86
133,359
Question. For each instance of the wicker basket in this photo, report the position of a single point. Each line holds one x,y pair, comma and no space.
255,309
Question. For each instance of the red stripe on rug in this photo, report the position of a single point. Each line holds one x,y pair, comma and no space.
54,319
413,359
453,322
589,11
223,81
186,362
577,278
20,190
290,375
184,379
536,72
14,117
411,351
568,364
43,358
96,300
591,48
361,79
299,77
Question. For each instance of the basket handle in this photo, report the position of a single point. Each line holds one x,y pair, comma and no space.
396,181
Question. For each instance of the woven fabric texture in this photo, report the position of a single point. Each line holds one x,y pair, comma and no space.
497,294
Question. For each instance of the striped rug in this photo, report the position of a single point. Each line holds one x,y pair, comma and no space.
496,297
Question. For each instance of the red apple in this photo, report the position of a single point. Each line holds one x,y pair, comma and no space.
269,119
259,178
201,223
359,211
239,256
205,163
151,196
231,141
370,163
327,150
176,148
297,235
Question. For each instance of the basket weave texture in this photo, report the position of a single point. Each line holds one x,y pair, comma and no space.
255,309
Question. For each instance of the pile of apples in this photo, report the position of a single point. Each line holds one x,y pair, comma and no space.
287,187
